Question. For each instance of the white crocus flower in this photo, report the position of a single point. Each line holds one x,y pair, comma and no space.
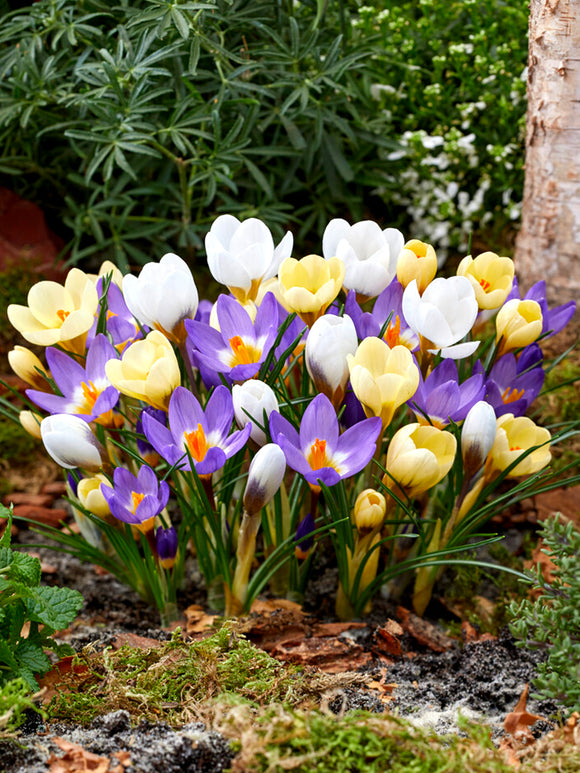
264,477
443,315
368,253
329,341
70,442
163,296
477,436
251,399
242,255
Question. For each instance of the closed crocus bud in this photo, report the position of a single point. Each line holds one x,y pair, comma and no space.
491,277
515,436
264,478
163,296
167,545
417,261
369,510
418,458
91,497
368,252
58,314
29,368
329,341
252,400
70,442
382,378
30,421
148,371
477,437
518,323
241,255
309,286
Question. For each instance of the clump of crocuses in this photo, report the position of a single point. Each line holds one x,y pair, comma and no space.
350,401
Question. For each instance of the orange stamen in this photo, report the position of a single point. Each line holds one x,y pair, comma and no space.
62,314
317,457
90,393
515,448
393,333
110,314
137,499
485,284
196,443
243,353
511,395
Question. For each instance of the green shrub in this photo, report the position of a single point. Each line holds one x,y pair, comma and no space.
552,623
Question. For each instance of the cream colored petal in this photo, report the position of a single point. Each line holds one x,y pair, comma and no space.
366,389
45,299
77,323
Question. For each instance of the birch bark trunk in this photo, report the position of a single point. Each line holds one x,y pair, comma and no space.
548,245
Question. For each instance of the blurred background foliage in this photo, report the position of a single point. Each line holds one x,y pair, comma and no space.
134,124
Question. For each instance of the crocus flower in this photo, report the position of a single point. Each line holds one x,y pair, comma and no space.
304,537
265,477
71,443
136,499
242,255
419,457
477,437
491,278
253,402
308,286
30,421
167,545
553,320
240,346
441,398
86,391
443,315
58,314
318,452
382,378
417,261
148,370
91,497
388,306
369,510
513,384
197,434
518,323
146,450
163,296
368,253
515,436
329,341
29,368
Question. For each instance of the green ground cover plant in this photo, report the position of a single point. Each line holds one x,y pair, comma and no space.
136,124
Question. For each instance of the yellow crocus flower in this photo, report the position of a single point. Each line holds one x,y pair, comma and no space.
417,261
514,436
518,323
491,277
308,286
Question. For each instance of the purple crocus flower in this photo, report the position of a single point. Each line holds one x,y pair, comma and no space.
443,399
202,436
304,539
121,324
136,499
240,346
318,452
86,392
146,450
513,384
388,304
167,544
554,319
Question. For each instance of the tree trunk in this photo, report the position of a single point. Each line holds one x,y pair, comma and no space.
548,245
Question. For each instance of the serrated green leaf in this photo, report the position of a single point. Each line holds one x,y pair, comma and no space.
25,568
30,655
7,656
54,607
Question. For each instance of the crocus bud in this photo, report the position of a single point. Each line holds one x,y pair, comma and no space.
91,497
148,371
70,442
477,437
329,341
264,478
252,400
304,539
513,438
518,323
30,421
107,267
417,261
29,368
163,296
369,510
167,544
491,277
419,457
309,286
